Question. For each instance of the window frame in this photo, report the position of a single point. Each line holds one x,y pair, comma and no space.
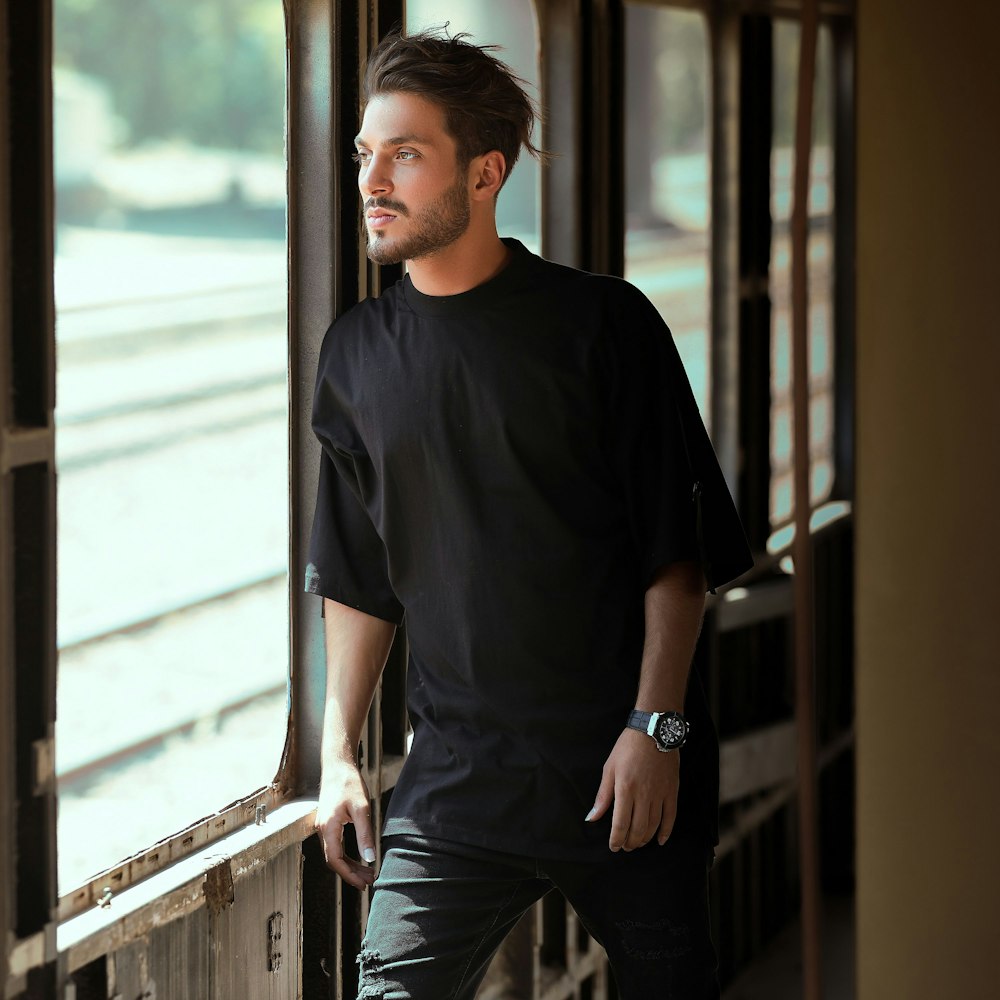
328,272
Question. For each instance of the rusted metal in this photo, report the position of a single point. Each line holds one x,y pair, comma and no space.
169,851
178,895
218,887
805,707
274,944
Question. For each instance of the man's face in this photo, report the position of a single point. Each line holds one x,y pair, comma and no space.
416,200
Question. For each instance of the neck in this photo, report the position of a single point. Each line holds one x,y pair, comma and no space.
473,259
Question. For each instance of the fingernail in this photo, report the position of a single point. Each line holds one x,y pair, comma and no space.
590,815
369,855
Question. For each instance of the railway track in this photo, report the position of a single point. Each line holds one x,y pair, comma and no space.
138,378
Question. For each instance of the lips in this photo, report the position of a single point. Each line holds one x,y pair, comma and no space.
380,212
379,217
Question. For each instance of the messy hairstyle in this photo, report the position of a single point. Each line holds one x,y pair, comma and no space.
484,102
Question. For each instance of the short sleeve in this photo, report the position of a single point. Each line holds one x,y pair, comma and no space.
347,558
680,507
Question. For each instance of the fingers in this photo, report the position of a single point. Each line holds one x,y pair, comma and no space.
605,795
632,825
362,818
666,823
642,828
338,861
332,838
352,872
621,823
642,789
656,820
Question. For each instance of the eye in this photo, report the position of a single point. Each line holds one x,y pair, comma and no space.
361,156
407,154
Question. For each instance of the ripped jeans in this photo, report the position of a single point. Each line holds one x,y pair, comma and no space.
440,911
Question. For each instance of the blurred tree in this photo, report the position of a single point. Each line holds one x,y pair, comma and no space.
682,73
211,72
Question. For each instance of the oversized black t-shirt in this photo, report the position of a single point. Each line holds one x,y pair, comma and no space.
508,468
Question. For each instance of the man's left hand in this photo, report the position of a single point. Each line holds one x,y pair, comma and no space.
642,782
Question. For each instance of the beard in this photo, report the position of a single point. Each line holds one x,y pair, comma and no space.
433,228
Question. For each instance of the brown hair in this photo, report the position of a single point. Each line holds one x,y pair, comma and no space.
484,102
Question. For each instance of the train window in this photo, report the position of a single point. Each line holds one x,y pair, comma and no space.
667,177
821,373
172,420
511,26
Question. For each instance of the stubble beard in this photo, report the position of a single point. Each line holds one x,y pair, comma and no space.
436,227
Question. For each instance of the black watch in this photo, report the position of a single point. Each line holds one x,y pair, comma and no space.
668,729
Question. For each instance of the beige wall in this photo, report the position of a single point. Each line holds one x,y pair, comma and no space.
928,583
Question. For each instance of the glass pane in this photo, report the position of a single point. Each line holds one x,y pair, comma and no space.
821,374
172,416
667,177
512,26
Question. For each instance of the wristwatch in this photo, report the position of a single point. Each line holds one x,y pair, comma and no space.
668,729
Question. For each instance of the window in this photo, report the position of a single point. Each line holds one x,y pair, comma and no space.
821,410
511,26
667,185
172,416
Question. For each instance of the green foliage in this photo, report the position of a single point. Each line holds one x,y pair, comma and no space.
211,72
683,76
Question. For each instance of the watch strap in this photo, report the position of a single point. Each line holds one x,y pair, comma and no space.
642,721
648,723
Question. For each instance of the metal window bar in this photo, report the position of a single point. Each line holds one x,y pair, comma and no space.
27,506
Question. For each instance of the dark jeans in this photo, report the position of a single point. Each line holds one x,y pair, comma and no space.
440,911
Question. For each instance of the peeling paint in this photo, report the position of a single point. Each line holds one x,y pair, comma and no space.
274,941
218,887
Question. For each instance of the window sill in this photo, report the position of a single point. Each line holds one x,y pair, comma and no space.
182,887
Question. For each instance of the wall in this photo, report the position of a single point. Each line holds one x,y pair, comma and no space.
928,670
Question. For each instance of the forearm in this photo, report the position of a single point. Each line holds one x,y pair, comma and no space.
640,781
674,606
357,646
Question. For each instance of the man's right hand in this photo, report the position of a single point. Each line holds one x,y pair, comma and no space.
343,799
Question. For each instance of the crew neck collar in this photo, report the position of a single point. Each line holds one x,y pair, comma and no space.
488,293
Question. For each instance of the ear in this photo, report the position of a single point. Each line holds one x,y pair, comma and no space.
487,175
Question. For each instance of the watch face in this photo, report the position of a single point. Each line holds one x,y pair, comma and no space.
671,730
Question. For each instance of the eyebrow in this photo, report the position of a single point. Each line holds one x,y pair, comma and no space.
398,140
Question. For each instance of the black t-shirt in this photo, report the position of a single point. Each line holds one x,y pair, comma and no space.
509,467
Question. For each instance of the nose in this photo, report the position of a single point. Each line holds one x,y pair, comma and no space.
375,177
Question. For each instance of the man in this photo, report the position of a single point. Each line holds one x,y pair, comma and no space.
512,458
